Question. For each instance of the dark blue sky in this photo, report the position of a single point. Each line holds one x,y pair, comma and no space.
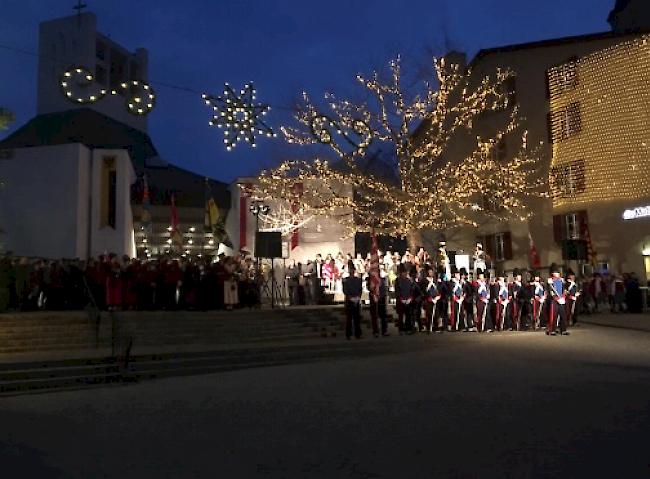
285,47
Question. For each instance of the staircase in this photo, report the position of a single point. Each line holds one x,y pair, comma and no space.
79,330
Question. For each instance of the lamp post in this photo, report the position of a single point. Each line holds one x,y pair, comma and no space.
258,208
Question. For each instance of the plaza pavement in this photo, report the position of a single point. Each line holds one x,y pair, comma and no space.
520,405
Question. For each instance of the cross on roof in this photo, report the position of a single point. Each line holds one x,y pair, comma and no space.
79,7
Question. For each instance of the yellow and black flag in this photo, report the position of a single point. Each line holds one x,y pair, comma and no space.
214,223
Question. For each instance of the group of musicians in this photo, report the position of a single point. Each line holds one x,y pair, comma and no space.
442,298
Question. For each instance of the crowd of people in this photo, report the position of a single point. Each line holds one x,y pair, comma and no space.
113,283
432,295
427,292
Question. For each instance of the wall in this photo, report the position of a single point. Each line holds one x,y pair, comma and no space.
530,63
41,209
118,240
71,41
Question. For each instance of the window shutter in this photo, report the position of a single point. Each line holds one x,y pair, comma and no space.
507,245
559,230
549,125
583,223
488,246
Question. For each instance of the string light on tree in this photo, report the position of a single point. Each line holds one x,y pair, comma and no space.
239,115
76,82
432,191
6,118
284,220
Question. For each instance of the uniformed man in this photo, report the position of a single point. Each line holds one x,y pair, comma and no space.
431,296
469,289
557,307
404,287
518,295
503,299
483,315
538,300
573,293
456,303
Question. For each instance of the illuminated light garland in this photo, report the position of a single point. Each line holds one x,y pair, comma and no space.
599,106
140,98
434,192
238,115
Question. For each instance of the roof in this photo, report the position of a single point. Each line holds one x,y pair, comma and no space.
85,126
555,42
95,130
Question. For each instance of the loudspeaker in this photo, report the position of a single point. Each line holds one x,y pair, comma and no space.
268,244
574,250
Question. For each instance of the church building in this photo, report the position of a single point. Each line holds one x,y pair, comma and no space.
74,176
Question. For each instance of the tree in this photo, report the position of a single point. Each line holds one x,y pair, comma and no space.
6,118
432,189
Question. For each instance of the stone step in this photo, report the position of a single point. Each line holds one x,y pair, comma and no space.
61,375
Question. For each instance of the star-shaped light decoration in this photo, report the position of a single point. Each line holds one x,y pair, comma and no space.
238,115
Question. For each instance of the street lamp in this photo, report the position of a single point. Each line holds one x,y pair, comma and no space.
258,208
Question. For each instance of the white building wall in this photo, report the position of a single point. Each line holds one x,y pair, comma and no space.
48,193
40,202
105,239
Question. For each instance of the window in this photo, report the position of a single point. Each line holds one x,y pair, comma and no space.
134,71
570,226
566,76
500,151
100,75
565,123
100,50
568,180
118,70
498,247
108,210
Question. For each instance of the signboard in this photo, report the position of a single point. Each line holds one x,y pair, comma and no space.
636,213
462,261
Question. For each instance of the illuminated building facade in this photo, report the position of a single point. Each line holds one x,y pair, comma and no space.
600,125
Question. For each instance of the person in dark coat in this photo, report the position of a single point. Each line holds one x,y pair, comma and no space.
352,290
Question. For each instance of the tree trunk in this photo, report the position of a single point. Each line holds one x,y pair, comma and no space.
414,240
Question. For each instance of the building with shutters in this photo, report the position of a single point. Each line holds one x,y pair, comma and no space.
600,119
559,229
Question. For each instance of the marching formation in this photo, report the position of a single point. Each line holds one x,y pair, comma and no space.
437,297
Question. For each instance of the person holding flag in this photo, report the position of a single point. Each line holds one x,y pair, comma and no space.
557,307
377,291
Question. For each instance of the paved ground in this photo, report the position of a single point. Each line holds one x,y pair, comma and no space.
640,322
518,405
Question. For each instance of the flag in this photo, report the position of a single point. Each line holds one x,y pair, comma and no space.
533,257
145,218
375,279
175,235
592,255
213,222
295,208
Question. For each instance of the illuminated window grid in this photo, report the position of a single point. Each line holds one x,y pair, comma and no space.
614,104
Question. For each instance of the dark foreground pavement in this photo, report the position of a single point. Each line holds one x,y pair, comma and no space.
463,405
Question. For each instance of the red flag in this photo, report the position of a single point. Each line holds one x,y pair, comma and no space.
533,257
176,237
375,279
295,207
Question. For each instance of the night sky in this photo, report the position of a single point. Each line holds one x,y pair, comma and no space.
285,47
